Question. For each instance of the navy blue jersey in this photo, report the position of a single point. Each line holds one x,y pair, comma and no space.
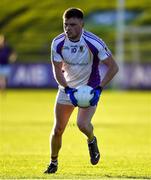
4,55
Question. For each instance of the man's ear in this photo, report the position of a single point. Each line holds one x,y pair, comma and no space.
82,24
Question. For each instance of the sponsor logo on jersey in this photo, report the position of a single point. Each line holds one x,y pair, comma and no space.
65,48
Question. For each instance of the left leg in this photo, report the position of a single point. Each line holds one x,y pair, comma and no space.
84,123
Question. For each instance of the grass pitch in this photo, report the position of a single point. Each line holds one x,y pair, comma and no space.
122,125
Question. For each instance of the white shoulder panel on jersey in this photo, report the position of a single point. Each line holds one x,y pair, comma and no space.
55,56
103,51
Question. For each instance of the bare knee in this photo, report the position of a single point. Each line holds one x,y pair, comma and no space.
58,131
82,126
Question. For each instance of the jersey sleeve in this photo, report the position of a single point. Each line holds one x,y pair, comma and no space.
54,55
104,52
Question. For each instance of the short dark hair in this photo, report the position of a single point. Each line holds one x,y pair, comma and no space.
73,12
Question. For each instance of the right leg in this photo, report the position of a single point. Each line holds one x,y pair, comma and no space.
63,110
62,115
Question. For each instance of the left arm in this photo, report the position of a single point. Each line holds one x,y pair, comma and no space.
112,70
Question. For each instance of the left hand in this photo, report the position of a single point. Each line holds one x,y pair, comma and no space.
97,92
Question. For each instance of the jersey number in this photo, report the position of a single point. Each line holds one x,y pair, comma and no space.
73,50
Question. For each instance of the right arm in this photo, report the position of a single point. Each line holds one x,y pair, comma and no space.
59,77
58,74
56,61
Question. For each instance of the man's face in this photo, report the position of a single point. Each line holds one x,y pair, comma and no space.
73,28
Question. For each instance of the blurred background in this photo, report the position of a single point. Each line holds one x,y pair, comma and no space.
123,119
29,27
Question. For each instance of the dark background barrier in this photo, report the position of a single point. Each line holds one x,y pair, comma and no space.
31,76
40,76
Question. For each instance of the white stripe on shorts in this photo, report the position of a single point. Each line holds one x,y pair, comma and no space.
62,98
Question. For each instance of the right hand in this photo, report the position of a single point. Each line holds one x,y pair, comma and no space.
70,92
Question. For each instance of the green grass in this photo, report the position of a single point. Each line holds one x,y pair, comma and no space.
31,25
122,125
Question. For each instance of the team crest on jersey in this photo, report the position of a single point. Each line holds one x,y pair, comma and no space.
81,48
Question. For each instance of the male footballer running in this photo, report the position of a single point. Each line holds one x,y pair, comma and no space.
75,57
